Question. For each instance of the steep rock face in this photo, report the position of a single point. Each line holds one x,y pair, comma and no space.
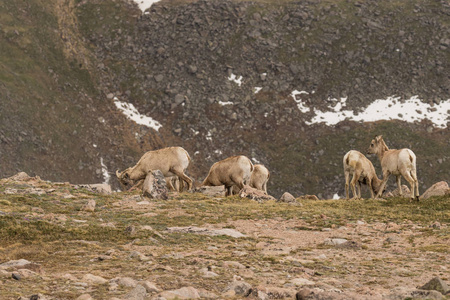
174,63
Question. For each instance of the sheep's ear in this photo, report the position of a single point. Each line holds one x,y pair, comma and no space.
126,176
379,138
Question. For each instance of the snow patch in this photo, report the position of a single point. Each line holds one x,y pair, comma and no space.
225,103
257,89
410,110
236,79
336,197
106,176
301,106
144,4
131,112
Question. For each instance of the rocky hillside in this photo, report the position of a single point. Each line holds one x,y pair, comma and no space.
64,65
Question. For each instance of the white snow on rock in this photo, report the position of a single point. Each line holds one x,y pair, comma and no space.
106,176
236,79
301,106
225,103
144,4
392,108
131,112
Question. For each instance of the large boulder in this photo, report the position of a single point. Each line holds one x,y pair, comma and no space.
155,186
438,189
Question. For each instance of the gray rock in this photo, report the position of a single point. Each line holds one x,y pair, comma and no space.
438,189
240,288
206,231
287,197
155,186
16,276
138,293
402,293
436,284
255,194
15,263
89,206
183,293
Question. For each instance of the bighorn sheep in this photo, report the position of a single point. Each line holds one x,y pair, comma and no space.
234,170
356,164
259,178
397,162
171,161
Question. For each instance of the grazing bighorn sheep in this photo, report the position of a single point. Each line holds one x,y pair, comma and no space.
397,162
356,164
259,178
234,170
171,161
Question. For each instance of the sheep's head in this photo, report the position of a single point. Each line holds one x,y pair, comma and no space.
124,179
377,145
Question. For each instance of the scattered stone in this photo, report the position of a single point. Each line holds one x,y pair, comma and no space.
150,287
15,263
436,284
395,193
138,293
155,186
211,191
334,242
402,293
208,274
125,281
183,293
85,297
255,194
21,176
94,279
89,206
287,197
438,189
233,264
206,231
101,188
274,292
302,281
240,288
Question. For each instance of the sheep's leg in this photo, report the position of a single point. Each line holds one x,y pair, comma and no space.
383,184
399,184
265,187
183,176
353,184
347,179
411,183
369,184
359,189
414,176
228,191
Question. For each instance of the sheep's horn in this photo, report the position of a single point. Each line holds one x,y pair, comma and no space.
118,174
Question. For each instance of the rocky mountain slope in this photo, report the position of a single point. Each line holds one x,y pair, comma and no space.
64,64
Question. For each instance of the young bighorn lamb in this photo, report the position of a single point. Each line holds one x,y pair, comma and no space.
397,162
234,170
362,170
259,178
171,161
